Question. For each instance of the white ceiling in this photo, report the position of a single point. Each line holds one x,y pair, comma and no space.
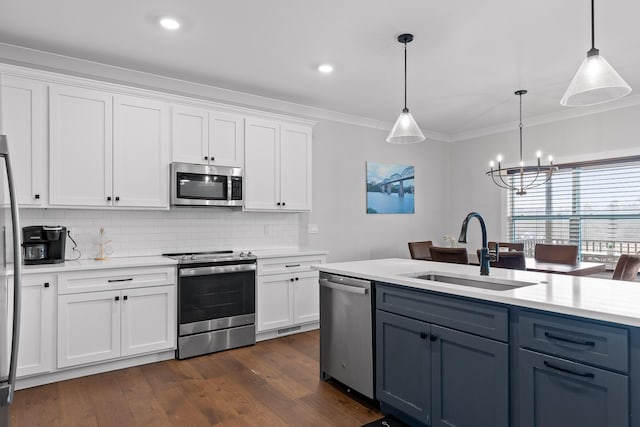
467,59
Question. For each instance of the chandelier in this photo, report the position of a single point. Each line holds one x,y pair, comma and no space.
521,178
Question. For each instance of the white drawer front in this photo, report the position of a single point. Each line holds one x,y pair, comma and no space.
288,264
113,279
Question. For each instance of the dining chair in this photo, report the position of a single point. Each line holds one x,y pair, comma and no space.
509,245
420,250
453,255
627,268
512,259
558,254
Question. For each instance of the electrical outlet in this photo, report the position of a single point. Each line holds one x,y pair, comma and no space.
312,229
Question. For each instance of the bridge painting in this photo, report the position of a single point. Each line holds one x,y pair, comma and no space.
390,188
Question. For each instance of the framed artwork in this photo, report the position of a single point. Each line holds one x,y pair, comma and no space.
390,188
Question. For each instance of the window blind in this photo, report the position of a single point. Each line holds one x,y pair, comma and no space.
594,206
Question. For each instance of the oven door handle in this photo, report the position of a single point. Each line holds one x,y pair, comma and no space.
222,269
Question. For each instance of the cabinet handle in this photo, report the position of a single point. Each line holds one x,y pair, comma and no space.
120,280
206,157
283,203
291,280
212,158
37,197
108,198
46,284
423,335
125,297
433,337
297,278
570,340
278,203
117,298
117,198
568,371
292,265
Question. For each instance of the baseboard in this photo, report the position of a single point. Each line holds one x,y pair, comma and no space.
83,371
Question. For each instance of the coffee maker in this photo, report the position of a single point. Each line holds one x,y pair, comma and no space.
43,244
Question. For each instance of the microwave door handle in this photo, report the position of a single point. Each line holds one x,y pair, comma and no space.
6,390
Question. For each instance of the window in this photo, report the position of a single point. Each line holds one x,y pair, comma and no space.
595,205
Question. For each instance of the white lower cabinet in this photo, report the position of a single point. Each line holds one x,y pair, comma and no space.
98,326
287,294
36,343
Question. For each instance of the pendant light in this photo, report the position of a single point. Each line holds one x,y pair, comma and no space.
596,81
405,130
521,178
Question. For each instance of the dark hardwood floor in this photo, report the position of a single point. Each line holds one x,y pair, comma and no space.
274,383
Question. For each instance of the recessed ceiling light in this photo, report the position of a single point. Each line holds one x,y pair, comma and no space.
325,68
169,23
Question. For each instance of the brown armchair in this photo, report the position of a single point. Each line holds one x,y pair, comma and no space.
559,254
420,250
627,268
453,255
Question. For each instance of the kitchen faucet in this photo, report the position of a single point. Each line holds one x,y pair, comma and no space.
485,255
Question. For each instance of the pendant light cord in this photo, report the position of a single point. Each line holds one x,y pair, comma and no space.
520,128
405,77
593,31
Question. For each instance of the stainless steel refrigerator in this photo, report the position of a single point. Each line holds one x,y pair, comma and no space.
9,291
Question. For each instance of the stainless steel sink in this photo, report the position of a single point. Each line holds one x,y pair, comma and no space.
488,283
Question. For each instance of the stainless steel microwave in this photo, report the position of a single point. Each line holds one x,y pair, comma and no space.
203,185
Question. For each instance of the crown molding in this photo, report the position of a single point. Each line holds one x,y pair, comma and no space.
569,113
56,63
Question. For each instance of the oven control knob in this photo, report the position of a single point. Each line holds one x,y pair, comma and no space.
249,253
242,254
193,257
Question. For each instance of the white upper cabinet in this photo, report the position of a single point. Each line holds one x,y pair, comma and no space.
295,167
24,121
277,166
207,137
107,150
140,152
80,146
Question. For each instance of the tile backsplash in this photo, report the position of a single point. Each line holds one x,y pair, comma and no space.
139,233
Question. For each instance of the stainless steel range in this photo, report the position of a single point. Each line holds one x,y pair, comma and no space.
216,301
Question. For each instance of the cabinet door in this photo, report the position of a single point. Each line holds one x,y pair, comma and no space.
80,146
88,328
555,392
470,380
190,134
226,139
141,153
403,363
274,302
148,319
35,354
262,165
24,121
306,297
295,168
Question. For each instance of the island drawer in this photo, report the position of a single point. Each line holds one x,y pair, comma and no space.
484,319
589,342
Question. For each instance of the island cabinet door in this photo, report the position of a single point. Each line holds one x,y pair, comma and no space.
555,392
470,378
403,366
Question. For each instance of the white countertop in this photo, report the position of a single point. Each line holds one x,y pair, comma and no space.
87,264
286,252
593,298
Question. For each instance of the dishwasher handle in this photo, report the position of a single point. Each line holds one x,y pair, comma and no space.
344,288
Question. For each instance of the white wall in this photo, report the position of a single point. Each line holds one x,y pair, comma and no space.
340,153
604,135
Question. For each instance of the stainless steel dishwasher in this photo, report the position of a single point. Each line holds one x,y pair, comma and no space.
346,332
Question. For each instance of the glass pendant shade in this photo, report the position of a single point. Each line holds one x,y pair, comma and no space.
595,82
405,130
